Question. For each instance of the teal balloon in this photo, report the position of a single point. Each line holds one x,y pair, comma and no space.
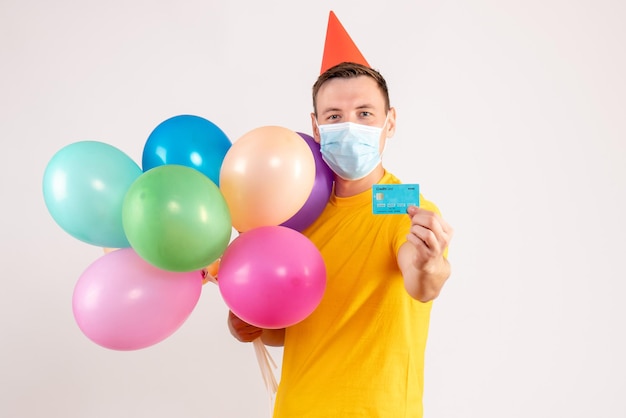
176,218
84,185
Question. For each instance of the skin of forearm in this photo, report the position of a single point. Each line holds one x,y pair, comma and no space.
425,285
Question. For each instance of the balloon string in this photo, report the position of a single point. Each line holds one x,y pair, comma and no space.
208,277
266,362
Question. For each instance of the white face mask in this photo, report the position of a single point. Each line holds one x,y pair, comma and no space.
350,149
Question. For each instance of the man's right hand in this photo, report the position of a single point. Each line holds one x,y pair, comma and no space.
241,330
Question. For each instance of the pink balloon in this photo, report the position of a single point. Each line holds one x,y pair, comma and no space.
123,303
272,276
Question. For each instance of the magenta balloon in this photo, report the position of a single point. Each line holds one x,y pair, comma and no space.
322,188
272,276
123,303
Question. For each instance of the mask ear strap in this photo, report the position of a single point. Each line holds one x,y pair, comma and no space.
386,137
319,131
386,120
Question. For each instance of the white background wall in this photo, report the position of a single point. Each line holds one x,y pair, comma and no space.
511,116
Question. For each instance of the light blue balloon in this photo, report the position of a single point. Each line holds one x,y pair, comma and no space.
84,186
187,140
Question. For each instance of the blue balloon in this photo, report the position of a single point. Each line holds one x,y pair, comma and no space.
84,186
187,140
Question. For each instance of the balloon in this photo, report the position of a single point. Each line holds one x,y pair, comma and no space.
176,218
272,276
322,188
123,303
187,140
84,186
266,177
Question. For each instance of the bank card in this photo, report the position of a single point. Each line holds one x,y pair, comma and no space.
394,198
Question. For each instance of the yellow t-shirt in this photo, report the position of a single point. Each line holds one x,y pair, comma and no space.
361,352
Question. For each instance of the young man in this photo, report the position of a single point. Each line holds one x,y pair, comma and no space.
361,352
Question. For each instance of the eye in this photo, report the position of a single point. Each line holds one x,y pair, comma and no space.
333,117
365,114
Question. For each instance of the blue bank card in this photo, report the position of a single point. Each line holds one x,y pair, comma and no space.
394,198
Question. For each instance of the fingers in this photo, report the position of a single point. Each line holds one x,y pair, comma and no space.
241,330
423,237
429,230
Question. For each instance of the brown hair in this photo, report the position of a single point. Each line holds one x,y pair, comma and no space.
350,70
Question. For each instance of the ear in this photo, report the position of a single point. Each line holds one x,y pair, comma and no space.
314,128
391,122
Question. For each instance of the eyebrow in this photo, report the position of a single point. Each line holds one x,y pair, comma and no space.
330,109
336,109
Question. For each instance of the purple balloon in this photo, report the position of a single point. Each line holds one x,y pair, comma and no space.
322,188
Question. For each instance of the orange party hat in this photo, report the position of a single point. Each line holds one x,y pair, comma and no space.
339,47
